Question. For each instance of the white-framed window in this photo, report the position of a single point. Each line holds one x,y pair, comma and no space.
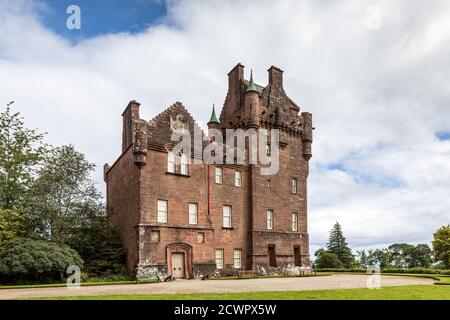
269,215
237,261
268,149
237,178
227,216
218,175
170,162
162,211
294,221
294,185
193,213
219,258
184,164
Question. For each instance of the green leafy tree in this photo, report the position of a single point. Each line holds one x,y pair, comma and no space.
338,245
63,196
328,260
441,246
362,259
11,225
100,247
420,257
378,257
21,151
399,255
29,258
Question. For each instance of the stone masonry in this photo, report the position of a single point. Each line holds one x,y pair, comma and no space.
173,243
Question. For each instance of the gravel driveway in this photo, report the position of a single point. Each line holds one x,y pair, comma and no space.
337,281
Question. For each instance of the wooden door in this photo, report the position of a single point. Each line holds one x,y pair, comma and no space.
178,265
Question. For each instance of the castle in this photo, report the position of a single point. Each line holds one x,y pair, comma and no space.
186,219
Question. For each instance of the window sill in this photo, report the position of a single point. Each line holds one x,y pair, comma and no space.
227,228
178,174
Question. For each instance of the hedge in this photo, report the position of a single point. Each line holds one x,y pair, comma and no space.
390,270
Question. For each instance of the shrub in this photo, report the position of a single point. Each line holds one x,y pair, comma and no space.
25,258
328,260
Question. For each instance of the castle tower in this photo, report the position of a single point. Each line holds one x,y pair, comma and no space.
251,103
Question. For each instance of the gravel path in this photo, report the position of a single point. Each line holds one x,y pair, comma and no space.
339,281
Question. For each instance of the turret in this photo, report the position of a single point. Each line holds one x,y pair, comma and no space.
213,123
251,98
307,135
140,143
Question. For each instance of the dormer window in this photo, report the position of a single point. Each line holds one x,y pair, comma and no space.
171,162
184,164
177,163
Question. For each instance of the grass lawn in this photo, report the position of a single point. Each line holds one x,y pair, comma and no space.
443,279
418,292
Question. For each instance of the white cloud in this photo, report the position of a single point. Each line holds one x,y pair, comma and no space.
377,96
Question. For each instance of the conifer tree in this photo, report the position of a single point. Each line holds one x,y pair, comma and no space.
338,245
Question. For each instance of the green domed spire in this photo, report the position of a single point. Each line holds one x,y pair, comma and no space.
213,117
251,85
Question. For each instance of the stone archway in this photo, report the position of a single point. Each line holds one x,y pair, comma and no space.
175,249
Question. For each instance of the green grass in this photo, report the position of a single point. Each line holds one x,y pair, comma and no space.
417,292
442,279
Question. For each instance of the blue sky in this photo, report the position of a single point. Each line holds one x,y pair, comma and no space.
102,16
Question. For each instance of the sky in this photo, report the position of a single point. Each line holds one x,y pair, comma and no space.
374,74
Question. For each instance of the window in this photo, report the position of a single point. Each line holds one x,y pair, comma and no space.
219,258
272,255
184,164
269,219
162,211
237,179
219,173
294,221
268,149
170,162
227,216
294,185
268,183
297,257
201,237
237,258
155,236
193,213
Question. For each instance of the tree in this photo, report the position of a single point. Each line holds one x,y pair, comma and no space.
28,258
328,260
362,259
11,225
400,254
63,196
338,245
441,246
100,247
21,151
420,257
378,257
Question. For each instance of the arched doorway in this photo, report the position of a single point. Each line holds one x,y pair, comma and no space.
179,260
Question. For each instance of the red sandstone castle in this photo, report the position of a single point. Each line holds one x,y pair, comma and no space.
190,219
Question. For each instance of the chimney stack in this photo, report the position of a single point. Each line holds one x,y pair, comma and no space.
129,116
234,78
275,77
